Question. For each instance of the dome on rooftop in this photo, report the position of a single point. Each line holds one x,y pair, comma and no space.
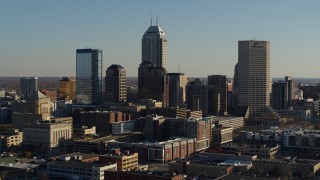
115,66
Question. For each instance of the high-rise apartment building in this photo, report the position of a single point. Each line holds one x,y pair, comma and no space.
28,86
89,76
197,96
67,88
154,46
217,94
116,84
254,75
280,95
153,83
177,89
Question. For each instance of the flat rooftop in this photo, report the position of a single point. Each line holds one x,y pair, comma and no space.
19,165
284,161
223,118
84,155
108,138
246,177
77,164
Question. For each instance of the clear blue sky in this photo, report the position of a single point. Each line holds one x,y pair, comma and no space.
40,38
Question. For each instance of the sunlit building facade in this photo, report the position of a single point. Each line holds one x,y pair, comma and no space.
154,46
89,76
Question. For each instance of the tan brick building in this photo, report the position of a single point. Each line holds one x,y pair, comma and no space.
124,162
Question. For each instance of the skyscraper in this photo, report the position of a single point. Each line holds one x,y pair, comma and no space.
280,95
177,89
217,94
233,96
28,86
154,46
153,83
89,76
290,82
254,75
67,88
197,96
116,84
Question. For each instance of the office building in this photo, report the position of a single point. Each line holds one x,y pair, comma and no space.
306,92
83,131
5,115
262,151
89,76
220,135
254,76
154,128
280,95
142,175
294,169
153,83
178,148
67,88
89,145
28,86
123,127
291,87
302,140
125,162
227,121
200,129
173,112
46,137
232,99
154,46
102,120
197,96
115,84
177,89
217,95
79,170
52,94
38,107
10,138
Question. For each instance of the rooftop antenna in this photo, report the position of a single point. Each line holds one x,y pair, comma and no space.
179,68
151,18
254,38
157,18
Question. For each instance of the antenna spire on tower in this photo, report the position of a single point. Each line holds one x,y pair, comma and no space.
151,18
157,18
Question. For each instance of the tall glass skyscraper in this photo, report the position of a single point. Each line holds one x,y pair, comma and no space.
89,76
154,46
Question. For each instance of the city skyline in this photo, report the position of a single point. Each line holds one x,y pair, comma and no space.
39,39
